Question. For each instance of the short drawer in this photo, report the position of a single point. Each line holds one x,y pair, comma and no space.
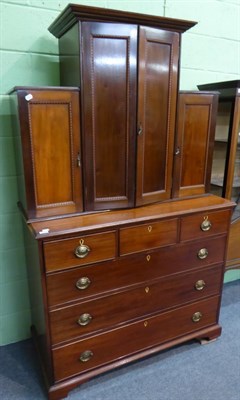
65,286
84,355
82,250
204,224
71,322
148,236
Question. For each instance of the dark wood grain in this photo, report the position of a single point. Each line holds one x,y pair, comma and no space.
106,220
109,123
157,85
50,134
125,272
146,333
148,236
128,305
194,145
76,12
61,254
191,225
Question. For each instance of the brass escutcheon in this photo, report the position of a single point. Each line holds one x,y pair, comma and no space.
145,324
147,289
82,250
206,224
148,257
149,228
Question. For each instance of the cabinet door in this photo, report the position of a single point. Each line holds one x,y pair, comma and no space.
109,114
157,90
194,144
50,135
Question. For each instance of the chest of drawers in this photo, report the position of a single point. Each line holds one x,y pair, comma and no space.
117,286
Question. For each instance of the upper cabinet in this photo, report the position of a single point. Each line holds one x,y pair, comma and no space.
126,66
117,134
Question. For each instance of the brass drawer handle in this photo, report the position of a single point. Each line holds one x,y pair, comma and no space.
197,316
200,285
206,224
84,319
203,253
86,356
82,250
83,283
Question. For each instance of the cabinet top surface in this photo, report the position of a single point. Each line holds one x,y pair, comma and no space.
225,88
222,85
108,219
75,12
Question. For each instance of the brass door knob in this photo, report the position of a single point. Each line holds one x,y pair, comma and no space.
200,284
84,319
206,225
86,356
197,316
82,250
83,283
203,253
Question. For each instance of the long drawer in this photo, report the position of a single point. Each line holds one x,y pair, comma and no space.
84,355
73,321
84,282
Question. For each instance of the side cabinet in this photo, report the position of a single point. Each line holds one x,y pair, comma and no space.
50,139
196,123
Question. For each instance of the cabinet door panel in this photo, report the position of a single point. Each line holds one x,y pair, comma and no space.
158,66
109,82
195,136
51,142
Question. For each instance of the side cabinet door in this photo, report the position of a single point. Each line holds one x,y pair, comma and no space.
109,114
157,96
194,143
50,135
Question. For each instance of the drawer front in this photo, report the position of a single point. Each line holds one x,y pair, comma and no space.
203,225
148,236
88,317
132,270
87,354
82,250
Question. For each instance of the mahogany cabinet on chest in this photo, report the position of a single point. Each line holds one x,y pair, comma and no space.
125,246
